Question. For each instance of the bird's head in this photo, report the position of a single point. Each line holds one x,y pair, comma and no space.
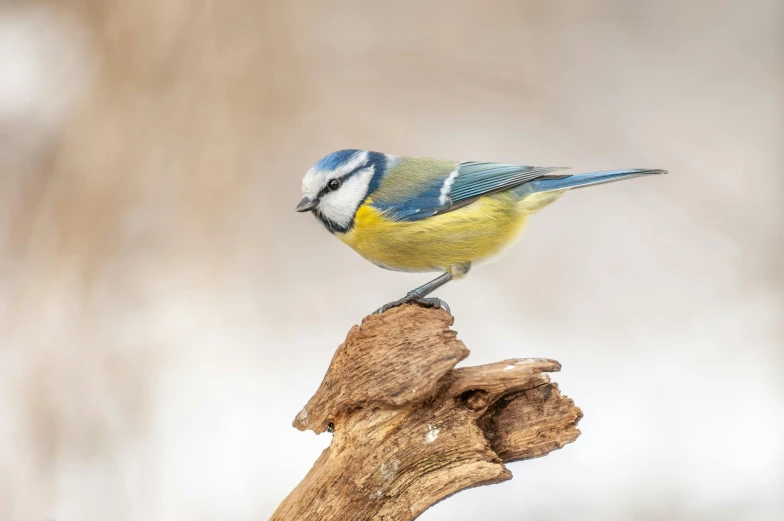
334,188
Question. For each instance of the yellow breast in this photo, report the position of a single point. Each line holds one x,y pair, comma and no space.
469,234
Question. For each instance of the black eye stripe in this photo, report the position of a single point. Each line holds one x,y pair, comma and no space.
322,192
342,179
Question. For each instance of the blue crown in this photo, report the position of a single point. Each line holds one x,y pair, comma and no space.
335,160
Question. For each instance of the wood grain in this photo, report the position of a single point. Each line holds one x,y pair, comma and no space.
411,430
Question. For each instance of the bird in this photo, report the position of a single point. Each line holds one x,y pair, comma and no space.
417,214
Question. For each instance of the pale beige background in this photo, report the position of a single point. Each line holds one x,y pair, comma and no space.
164,313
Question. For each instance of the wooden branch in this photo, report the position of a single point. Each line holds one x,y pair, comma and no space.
411,430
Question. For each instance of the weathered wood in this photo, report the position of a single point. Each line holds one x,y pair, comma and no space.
410,429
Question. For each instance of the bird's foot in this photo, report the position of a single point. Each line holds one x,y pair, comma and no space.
428,302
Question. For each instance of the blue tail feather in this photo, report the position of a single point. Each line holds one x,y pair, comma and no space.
580,180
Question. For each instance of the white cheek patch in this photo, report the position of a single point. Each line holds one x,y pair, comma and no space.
341,205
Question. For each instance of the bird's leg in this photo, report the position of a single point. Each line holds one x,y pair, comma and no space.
420,294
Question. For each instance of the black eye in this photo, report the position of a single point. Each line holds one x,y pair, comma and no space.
333,184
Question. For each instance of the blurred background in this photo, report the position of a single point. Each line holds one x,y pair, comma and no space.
164,312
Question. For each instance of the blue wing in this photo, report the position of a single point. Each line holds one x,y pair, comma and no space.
452,190
476,179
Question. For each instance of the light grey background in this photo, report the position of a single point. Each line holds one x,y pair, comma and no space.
164,313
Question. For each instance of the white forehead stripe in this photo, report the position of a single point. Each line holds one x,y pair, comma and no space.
357,160
447,186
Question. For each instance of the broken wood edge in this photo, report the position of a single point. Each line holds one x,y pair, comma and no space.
411,430
374,366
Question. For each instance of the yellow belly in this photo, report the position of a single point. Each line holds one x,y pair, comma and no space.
469,234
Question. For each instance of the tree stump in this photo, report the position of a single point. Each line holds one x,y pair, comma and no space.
410,429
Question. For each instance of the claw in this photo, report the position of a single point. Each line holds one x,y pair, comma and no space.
428,302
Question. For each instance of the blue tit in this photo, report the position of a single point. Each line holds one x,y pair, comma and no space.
417,214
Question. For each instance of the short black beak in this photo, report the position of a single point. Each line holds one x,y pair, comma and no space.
307,204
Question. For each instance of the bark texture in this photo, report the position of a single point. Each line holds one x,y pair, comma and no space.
410,429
